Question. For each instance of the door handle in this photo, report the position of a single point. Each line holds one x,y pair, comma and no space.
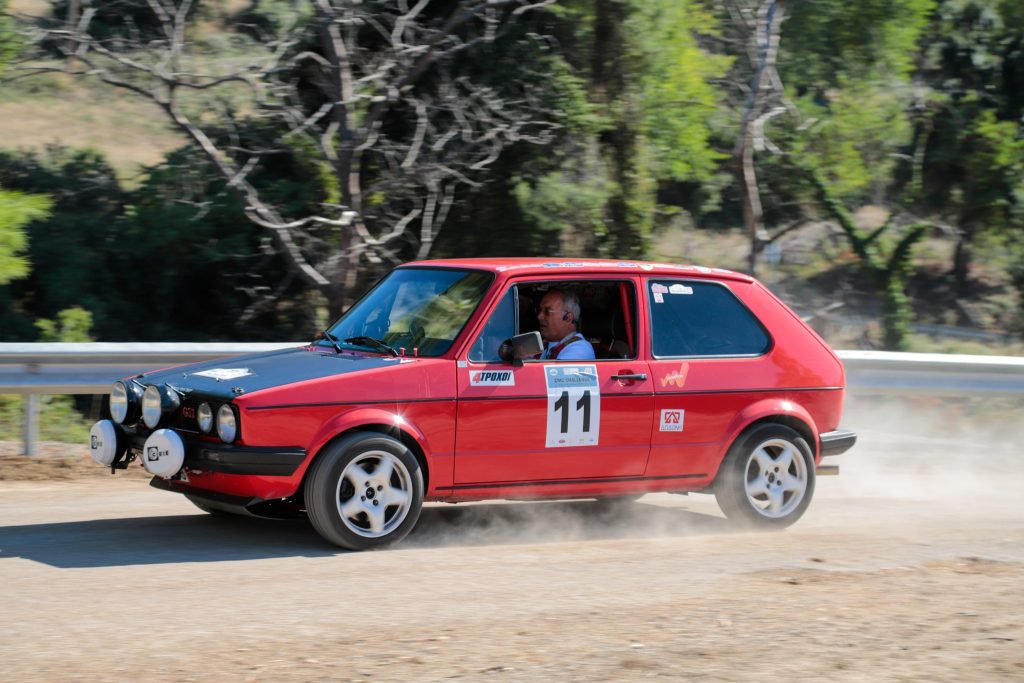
638,376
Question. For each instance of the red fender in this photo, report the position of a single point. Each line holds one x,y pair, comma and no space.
771,407
361,417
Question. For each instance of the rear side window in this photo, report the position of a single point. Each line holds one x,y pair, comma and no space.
702,319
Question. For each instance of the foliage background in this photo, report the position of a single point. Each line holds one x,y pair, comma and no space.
895,113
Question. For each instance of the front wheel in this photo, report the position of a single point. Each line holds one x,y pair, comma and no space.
767,477
364,491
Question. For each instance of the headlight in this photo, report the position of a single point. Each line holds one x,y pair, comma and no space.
118,402
156,401
124,402
227,426
204,416
151,408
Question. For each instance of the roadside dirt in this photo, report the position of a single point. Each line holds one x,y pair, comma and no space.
54,462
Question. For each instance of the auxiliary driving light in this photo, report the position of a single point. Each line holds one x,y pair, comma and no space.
105,442
125,400
204,416
158,401
164,453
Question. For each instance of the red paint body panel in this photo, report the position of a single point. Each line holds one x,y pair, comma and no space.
490,441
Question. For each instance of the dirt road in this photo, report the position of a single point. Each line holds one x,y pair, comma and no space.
909,566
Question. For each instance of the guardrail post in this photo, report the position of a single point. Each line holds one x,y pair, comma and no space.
31,423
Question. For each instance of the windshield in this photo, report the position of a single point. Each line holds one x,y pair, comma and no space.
421,309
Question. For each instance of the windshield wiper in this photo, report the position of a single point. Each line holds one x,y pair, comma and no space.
324,334
373,343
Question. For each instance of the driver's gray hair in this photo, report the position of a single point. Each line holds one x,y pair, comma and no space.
571,302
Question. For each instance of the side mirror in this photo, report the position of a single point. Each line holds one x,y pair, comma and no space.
521,346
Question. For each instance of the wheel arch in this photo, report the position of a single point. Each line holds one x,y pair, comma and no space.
379,421
783,412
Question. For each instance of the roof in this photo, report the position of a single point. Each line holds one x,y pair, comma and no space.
548,266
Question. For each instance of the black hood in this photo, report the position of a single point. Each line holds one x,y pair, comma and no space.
231,377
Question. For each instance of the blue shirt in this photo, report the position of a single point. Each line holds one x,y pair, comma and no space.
580,349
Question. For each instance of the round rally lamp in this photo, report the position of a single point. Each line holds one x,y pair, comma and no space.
156,401
105,442
125,399
227,425
151,407
164,453
204,416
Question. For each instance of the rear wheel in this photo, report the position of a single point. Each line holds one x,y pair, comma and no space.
767,478
364,491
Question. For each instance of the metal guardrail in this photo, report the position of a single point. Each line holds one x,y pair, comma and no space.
67,368
932,374
90,368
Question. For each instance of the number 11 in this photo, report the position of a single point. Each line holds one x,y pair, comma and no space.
584,403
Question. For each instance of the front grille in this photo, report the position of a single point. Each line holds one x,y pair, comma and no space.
185,418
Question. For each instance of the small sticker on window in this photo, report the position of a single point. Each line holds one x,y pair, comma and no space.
680,289
659,298
658,288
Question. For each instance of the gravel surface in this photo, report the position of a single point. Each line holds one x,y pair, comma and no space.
908,566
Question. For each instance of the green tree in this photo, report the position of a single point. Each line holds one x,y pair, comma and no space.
71,325
972,109
643,120
17,209
68,248
886,260
390,100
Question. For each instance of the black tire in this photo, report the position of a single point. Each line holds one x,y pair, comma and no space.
754,477
346,515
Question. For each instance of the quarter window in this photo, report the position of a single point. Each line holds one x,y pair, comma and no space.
691,318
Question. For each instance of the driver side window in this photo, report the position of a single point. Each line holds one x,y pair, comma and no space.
499,327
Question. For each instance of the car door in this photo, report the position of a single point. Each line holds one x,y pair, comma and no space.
708,361
549,420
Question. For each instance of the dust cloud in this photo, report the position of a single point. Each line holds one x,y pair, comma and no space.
962,452
917,461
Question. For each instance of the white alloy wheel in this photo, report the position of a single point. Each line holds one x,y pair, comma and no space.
775,478
364,490
374,494
767,477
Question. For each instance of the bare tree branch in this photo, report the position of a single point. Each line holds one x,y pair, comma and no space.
347,90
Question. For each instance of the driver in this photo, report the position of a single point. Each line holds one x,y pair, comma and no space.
559,319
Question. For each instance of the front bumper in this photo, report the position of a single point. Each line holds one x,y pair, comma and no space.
254,506
269,461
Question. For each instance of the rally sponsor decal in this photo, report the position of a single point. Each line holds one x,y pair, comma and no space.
221,374
574,405
492,378
676,377
672,420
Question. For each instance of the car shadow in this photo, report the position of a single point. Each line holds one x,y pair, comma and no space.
221,538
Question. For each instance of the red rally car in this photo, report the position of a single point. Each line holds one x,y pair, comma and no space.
437,386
